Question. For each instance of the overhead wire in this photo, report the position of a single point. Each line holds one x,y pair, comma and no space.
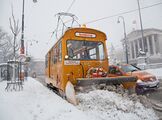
70,6
69,10
115,15
122,13
66,12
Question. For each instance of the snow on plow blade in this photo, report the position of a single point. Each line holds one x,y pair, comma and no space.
83,82
105,80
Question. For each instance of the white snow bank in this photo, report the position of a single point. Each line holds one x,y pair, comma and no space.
35,102
105,105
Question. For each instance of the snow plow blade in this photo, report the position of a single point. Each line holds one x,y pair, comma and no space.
70,93
83,84
105,80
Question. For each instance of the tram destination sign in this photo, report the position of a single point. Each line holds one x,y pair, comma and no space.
71,62
82,34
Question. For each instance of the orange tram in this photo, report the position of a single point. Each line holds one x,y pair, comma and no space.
80,58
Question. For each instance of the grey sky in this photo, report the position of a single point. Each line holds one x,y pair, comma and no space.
40,18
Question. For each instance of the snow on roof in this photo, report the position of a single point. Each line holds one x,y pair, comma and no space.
149,30
137,33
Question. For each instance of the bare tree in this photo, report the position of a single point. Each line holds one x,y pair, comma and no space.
7,48
2,37
14,26
5,45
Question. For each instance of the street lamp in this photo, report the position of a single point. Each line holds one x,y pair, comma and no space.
125,37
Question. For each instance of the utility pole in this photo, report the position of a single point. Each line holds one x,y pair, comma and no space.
139,10
22,31
125,38
22,49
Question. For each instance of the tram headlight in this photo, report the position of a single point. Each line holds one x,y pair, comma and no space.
66,56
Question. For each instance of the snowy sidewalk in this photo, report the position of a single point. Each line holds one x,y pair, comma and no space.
36,102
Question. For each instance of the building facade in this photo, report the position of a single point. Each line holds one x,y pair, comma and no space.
151,46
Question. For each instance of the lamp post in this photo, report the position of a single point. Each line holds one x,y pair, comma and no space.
22,31
139,10
125,37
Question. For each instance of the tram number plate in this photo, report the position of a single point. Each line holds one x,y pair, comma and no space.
71,62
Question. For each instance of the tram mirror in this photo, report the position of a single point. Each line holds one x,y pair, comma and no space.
66,56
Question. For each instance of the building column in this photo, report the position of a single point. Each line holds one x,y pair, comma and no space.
153,44
130,50
0,73
143,48
134,46
148,44
139,44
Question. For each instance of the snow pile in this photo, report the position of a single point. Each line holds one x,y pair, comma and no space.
105,105
35,102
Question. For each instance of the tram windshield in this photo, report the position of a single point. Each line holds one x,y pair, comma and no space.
85,50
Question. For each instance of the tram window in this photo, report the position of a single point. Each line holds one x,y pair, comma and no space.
54,59
85,50
101,51
59,52
70,50
92,53
55,56
78,56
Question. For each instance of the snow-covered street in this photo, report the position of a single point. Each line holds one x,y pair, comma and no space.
36,102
